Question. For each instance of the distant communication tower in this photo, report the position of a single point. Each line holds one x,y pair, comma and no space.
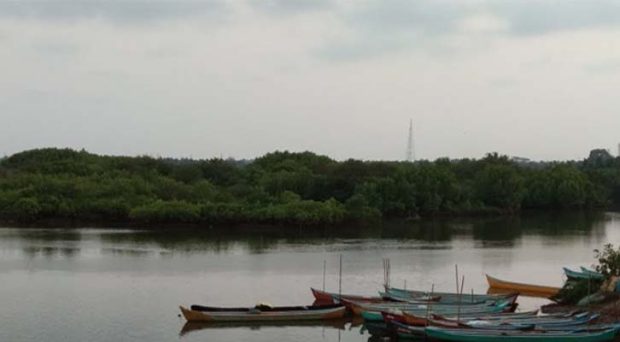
410,151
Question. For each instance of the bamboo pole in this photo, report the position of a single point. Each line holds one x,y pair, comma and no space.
324,267
460,295
384,282
340,278
456,272
428,305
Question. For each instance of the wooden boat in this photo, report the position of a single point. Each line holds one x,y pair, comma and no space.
465,300
499,325
198,313
374,313
523,323
444,297
465,335
421,320
594,274
326,298
358,307
522,288
406,332
585,274
584,317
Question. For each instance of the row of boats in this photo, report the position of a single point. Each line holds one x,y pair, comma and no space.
438,315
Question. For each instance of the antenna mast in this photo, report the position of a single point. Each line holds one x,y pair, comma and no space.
410,153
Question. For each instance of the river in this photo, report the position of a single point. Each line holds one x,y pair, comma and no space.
113,284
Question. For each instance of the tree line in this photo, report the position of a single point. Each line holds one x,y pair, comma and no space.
291,188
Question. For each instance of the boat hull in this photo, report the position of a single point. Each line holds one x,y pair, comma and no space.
262,316
522,288
585,274
465,335
323,297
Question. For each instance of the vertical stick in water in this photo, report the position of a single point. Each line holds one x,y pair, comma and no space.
405,284
324,267
389,272
472,295
340,278
384,278
460,293
456,272
428,304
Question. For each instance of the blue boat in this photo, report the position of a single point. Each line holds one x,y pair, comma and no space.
584,274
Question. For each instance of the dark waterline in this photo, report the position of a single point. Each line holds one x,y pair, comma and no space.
93,284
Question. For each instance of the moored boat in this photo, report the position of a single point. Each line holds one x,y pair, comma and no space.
444,297
397,297
325,298
584,274
479,335
198,313
422,320
374,313
594,274
522,288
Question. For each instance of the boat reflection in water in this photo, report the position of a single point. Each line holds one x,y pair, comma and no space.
336,324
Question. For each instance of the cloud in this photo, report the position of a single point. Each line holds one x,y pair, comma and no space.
541,17
129,11
604,67
284,7
379,27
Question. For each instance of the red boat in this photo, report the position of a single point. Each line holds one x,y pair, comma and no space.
323,297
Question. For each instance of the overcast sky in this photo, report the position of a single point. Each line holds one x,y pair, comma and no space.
537,79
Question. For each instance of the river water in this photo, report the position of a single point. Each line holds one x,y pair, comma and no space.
95,284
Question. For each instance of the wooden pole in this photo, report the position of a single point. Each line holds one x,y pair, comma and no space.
472,295
389,273
456,272
384,281
340,278
428,305
458,310
384,278
324,267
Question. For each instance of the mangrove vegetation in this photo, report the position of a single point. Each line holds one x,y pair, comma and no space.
291,188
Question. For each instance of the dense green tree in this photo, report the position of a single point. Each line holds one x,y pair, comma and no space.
290,188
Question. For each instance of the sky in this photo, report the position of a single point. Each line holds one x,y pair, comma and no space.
216,78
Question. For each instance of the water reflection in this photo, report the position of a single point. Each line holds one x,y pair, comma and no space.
50,252
505,232
126,284
338,324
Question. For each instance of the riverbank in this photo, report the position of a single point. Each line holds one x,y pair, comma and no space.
609,311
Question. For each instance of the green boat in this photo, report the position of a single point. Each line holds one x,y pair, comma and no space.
444,297
373,313
594,274
465,300
465,335
585,274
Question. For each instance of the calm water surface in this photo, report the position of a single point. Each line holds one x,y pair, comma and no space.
92,284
